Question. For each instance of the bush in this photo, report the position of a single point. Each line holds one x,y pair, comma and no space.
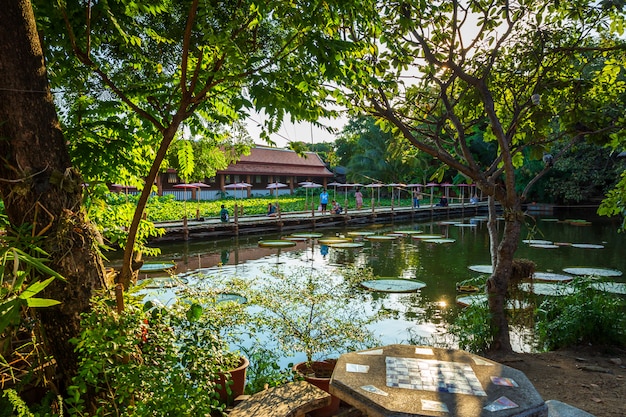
584,316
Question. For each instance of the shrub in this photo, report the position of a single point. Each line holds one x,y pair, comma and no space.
584,316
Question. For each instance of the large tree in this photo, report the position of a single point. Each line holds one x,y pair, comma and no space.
151,67
519,74
39,186
127,76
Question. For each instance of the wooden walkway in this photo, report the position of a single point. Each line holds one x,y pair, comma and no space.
213,228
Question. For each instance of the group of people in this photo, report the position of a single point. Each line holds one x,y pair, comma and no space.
272,209
335,207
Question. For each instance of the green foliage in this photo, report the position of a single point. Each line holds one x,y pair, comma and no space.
264,370
22,266
309,312
470,328
586,316
151,359
615,201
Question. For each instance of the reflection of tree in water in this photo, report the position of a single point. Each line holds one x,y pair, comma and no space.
387,258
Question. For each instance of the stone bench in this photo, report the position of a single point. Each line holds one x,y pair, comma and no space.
290,400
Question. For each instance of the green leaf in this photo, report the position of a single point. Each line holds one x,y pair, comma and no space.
41,302
194,313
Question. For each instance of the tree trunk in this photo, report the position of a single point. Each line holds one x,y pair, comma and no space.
498,283
39,186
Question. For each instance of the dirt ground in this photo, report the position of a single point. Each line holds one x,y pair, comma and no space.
592,379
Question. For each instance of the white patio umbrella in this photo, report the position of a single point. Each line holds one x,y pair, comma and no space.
335,184
275,186
238,186
199,185
432,186
185,187
394,185
375,185
306,185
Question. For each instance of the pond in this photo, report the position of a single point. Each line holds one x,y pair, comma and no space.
440,265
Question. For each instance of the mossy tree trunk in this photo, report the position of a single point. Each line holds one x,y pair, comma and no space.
39,186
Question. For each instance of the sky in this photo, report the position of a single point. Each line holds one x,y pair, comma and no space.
303,132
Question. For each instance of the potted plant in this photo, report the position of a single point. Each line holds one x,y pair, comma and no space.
308,311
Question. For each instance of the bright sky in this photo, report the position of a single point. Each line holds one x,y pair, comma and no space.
303,132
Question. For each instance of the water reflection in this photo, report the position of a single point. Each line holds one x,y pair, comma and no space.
422,314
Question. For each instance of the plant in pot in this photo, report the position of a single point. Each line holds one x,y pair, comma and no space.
310,312
153,359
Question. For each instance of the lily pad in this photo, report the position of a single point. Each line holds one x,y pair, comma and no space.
467,300
347,245
420,237
587,246
483,269
551,277
331,240
163,282
600,272
537,242
360,233
398,285
545,288
613,287
396,235
544,246
465,224
439,240
276,243
381,238
409,232
308,235
148,267
295,238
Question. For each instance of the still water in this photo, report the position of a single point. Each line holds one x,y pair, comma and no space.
440,266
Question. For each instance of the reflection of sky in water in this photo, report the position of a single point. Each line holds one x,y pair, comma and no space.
440,266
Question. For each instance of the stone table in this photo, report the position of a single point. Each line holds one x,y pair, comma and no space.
416,381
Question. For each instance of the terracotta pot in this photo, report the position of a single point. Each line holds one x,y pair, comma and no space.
233,381
318,374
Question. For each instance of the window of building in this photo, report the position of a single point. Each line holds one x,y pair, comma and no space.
257,179
237,178
172,178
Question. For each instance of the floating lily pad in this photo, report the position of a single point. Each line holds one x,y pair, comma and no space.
613,287
360,233
396,235
467,300
393,285
446,223
409,232
381,238
308,235
148,267
544,246
295,238
276,243
551,276
439,240
545,288
483,269
222,297
465,224
563,243
587,246
537,242
331,240
549,219
163,282
600,272
420,237
347,245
